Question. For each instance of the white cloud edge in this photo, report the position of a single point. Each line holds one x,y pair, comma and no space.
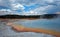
49,1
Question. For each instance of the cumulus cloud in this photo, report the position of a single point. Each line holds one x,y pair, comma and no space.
49,9
32,6
45,6
17,6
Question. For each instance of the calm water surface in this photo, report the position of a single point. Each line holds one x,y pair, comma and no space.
53,24
50,24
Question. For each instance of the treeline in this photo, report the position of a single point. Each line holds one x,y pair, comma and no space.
47,16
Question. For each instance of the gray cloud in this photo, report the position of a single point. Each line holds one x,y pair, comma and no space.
5,3
45,6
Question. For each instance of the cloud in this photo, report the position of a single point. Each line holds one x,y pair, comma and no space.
45,6
32,6
8,11
17,6
57,12
42,10
5,11
5,3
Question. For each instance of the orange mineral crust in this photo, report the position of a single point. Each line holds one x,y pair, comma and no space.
19,28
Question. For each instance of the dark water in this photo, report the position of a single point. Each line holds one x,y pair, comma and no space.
51,24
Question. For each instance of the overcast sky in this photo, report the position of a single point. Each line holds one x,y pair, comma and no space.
30,6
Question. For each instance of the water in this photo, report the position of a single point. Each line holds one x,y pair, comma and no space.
50,24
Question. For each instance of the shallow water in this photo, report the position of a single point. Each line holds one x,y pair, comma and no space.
53,24
50,24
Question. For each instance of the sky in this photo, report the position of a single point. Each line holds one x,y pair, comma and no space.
30,7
